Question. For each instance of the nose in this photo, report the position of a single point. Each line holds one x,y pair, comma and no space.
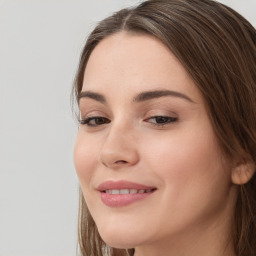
119,149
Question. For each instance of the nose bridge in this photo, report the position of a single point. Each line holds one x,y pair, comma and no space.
119,147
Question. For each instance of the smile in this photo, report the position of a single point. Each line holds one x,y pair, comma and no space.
122,193
127,191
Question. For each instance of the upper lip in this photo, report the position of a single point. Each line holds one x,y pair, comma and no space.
122,184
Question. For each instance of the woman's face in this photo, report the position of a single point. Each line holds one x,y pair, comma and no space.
146,155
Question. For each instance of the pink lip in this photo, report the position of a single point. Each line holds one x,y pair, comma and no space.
118,200
121,184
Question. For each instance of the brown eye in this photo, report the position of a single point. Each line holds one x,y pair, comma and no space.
162,120
95,121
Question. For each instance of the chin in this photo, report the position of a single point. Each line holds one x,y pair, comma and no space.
118,242
118,238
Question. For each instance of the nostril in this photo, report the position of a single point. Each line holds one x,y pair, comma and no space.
116,163
121,162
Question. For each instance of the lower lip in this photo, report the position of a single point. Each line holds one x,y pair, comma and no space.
113,200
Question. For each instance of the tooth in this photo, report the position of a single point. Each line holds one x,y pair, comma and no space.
133,191
124,191
127,191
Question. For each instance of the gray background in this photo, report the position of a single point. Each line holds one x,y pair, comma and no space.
40,43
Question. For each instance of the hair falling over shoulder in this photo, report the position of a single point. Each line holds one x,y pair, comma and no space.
218,50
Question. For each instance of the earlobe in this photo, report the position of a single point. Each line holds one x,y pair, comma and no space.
243,172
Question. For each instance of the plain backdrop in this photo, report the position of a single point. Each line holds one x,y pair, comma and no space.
40,44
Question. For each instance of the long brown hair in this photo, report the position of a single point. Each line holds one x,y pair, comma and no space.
217,47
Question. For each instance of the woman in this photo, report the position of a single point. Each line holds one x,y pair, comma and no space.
165,151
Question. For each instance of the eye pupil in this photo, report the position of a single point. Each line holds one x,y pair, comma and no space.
100,120
161,119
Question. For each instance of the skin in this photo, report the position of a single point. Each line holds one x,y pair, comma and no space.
191,211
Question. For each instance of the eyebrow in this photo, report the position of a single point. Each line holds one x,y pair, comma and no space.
91,95
143,96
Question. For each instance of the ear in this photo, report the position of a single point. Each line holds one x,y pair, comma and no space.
242,172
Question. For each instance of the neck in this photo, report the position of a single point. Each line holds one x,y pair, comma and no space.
198,246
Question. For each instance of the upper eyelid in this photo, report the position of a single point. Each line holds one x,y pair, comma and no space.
160,112
147,113
92,113
149,110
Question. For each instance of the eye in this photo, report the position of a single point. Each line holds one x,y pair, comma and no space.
94,121
161,120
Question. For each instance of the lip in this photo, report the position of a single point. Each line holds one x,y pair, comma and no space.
121,184
119,200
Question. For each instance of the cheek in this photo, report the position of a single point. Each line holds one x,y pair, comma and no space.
85,159
180,149
187,162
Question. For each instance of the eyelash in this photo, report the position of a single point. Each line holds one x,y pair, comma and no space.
87,121
162,120
99,120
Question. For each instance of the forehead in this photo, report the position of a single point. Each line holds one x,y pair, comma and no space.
133,63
